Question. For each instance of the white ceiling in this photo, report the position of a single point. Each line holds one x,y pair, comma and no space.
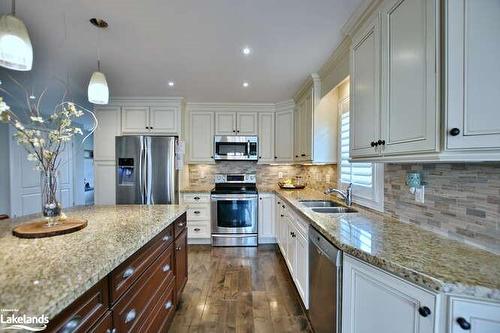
194,43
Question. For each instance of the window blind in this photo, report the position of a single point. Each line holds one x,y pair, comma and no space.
360,174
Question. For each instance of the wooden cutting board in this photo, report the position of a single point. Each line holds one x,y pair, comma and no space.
39,229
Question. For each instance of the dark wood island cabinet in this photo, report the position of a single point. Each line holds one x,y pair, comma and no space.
140,295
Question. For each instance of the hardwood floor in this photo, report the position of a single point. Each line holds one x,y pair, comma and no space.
239,290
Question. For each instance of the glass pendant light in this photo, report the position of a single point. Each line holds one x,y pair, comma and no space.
16,51
98,91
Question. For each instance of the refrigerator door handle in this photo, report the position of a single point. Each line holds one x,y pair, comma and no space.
141,171
149,173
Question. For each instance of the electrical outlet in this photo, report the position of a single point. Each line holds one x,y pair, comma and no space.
327,178
280,175
420,194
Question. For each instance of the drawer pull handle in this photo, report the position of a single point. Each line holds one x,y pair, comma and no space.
168,305
196,198
166,238
111,330
130,316
129,271
166,268
180,224
196,229
424,311
464,324
197,212
72,325
178,248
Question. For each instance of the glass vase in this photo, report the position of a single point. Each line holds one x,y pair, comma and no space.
51,208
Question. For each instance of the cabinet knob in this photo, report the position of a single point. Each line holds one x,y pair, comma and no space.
379,142
166,268
260,157
424,311
454,132
196,198
372,143
166,238
303,155
128,272
197,212
275,157
168,305
130,316
178,248
180,224
464,324
234,131
196,229
283,206
71,325
296,155
282,215
211,157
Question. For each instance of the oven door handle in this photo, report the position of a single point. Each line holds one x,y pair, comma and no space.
234,197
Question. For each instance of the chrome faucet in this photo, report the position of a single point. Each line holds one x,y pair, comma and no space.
346,195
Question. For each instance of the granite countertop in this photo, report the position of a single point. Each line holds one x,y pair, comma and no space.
197,188
406,250
45,275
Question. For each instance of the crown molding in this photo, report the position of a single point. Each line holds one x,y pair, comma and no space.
146,100
337,55
285,105
364,10
313,80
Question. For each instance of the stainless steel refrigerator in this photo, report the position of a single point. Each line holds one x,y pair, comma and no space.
146,172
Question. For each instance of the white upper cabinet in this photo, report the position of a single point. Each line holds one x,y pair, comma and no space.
247,123
150,120
236,123
409,105
283,149
135,119
375,301
472,53
201,137
266,137
365,92
225,123
303,127
164,119
104,135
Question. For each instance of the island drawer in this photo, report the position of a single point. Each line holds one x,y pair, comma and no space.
180,225
161,316
105,324
128,272
131,311
83,313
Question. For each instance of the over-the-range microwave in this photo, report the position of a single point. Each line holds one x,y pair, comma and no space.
235,148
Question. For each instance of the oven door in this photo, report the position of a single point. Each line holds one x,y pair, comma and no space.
234,213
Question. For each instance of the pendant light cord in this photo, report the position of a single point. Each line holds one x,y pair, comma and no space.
13,7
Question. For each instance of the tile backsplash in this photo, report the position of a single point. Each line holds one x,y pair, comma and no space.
461,200
315,175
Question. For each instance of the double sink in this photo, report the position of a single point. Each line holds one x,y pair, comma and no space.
327,207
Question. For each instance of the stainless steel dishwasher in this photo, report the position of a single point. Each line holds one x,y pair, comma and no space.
325,284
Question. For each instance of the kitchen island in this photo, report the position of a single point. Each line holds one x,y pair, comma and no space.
104,264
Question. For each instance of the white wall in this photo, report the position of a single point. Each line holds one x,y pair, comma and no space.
4,170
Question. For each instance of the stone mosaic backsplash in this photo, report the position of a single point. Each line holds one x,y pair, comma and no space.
314,176
461,200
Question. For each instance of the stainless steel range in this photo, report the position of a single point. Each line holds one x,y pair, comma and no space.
234,210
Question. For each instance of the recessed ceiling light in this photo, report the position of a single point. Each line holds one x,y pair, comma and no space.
245,84
171,83
246,50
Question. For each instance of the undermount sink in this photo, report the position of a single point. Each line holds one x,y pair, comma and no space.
334,210
319,203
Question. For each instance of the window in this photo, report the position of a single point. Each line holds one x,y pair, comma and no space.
367,178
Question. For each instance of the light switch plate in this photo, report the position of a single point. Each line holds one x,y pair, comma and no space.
280,175
420,194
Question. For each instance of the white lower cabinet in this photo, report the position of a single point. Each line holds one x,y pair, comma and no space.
475,316
293,243
198,217
267,225
376,301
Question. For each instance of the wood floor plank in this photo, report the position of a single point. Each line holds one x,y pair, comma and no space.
239,290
